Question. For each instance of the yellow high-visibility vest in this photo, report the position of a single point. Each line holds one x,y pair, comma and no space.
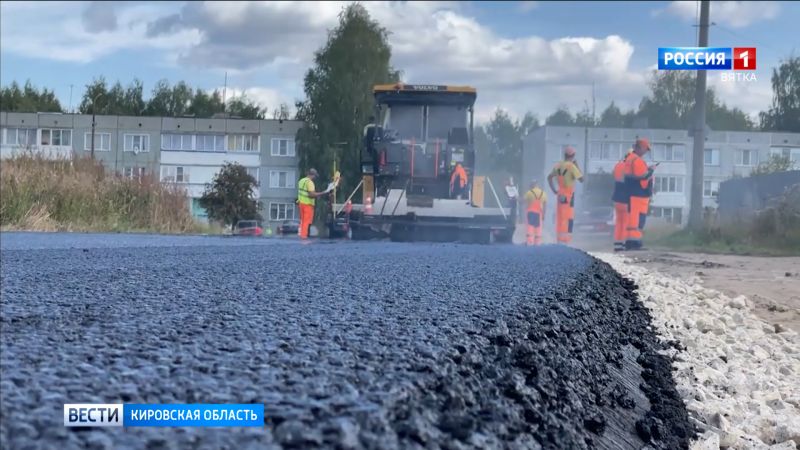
304,186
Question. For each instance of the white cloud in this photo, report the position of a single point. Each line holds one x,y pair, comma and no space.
751,97
736,14
54,31
527,6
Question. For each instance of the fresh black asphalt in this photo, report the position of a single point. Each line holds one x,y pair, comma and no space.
348,345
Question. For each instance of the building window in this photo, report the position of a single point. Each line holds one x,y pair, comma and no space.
669,152
253,172
134,173
605,151
20,137
668,184
57,137
281,178
711,157
746,158
174,174
281,211
177,142
710,188
792,153
102,142
209,142
243,143
670,215
136,143
282,147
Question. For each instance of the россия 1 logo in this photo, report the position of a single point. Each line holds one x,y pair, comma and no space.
706,58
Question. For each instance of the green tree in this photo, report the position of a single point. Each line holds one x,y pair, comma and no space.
784,114
134,100
242,107
114,101
671,104
561,117
503,140
205,105
228,198
28,99
584,118
96,96
775,163
338,92
160,100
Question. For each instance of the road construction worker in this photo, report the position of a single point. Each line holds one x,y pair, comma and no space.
512,193
639,185
369,142
458,181
566,172
536,199
306,195
621,201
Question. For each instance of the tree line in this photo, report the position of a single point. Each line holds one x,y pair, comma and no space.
168,100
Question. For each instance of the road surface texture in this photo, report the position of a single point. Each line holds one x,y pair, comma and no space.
348,345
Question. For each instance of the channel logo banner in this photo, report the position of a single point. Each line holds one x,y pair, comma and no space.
166,415
695,58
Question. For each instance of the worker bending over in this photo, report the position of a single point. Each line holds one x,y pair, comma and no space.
536,198
306,195
621,201
458,181
566,172
639,185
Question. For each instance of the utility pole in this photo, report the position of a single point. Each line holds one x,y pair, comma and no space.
225,93
94,122
696,193
70,99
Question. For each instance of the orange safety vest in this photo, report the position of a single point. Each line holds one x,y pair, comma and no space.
535,205
635,167
461,174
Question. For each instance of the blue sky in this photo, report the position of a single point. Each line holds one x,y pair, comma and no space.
522,56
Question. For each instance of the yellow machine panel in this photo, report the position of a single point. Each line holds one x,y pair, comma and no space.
368,188
477,190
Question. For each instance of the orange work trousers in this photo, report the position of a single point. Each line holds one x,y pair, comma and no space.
620,225
534,231
306,217
565,213
637,214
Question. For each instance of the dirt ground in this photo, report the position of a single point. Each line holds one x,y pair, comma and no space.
770,283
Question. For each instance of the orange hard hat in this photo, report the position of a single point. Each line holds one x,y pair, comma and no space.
569,151
643,143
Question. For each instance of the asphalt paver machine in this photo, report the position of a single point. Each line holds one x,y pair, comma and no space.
419,135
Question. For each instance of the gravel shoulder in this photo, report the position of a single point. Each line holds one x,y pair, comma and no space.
736,372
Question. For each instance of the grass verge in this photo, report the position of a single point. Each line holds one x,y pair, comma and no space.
78,194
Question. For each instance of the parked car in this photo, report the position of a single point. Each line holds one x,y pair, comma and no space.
598,219
289,227
248,228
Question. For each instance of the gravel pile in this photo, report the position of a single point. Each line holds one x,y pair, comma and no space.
739,376
360,345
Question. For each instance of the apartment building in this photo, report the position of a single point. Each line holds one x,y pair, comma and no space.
727,154
182,150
